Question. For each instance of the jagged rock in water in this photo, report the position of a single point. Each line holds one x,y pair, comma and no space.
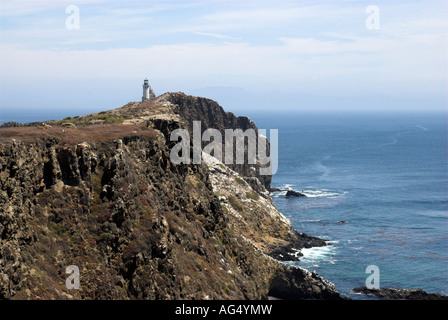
400,294
293,193
298,283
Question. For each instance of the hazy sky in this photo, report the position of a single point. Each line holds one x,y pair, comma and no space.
245,54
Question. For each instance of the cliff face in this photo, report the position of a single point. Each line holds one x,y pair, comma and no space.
212,115
106,198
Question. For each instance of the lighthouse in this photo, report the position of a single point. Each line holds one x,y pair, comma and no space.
148,94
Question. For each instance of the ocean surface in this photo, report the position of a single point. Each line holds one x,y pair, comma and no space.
377,190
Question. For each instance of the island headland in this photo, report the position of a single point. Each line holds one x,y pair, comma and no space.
99,192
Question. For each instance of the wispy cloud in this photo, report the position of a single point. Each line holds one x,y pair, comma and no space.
310,46
214,35
28,7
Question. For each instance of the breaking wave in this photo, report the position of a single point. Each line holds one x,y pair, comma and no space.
322,193
317,254
422,127
310,193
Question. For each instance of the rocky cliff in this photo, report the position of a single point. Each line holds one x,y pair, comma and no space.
100,192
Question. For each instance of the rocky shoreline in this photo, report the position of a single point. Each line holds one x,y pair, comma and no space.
290,193
234,189
400,294
292,251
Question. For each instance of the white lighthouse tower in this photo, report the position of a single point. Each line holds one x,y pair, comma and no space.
148,94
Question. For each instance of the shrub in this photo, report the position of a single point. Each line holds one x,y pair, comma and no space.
224,208
252,195
11,124
240,181
113,120
199,184
235,204
107,237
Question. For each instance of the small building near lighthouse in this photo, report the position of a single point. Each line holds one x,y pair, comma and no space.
148,93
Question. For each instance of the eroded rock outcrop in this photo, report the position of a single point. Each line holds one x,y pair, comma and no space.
294,194
400,294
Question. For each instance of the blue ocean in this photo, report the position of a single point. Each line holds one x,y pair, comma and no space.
376,186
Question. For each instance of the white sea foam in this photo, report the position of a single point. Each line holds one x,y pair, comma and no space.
322,168
318,253
311,220
422,127
310,193
434,213
277,194
394,141
322,193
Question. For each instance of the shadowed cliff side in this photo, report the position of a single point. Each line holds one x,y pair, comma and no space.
212,115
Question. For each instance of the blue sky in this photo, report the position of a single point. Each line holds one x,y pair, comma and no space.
244,54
